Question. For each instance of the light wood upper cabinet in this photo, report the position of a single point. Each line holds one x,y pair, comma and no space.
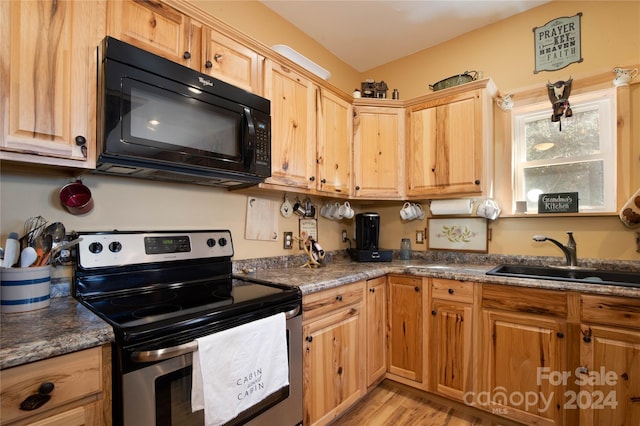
167,32
333,156
156,28
333,358
376,301
47,81
293,126
449,144
406,301
609,361
378,152
230,61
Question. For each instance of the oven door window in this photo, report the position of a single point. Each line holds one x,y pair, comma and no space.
173,400
177,124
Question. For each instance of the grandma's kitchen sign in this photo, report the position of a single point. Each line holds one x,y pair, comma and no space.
557,43
561,202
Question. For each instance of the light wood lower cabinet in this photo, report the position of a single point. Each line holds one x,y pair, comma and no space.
451,338
376,323
333,358
518,346
406,302
81,393
609,372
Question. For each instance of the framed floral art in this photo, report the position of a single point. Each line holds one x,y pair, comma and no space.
459,234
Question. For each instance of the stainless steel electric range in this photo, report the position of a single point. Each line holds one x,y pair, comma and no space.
162,290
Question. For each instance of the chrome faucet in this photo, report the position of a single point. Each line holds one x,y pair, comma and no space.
570,250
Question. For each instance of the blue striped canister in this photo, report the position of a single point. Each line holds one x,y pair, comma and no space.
25,289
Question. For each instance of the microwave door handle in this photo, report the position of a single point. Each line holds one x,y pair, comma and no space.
251,129
174,351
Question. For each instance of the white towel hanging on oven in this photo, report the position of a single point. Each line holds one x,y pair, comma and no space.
236,368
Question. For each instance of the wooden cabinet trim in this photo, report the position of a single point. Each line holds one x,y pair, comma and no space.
526,300
77,377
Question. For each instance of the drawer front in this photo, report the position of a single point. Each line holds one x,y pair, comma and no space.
456,291
523,299
323,302
75,376
610,310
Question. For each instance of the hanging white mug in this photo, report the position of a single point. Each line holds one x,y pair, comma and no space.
346,211
407,212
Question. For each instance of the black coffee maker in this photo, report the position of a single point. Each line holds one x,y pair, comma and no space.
367,238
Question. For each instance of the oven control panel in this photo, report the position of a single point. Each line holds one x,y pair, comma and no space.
109,249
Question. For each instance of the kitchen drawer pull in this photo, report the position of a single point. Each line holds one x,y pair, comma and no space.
185,348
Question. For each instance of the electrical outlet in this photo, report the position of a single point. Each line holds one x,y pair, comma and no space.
288,240
345,238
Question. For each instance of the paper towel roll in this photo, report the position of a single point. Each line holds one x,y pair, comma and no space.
446,207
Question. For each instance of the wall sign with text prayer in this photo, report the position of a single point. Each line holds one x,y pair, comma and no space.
557,43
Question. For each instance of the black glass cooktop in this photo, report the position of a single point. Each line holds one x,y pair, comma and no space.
148,307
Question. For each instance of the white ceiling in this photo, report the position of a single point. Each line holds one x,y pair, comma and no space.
369,33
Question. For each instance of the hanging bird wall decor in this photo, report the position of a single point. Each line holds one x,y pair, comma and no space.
559,96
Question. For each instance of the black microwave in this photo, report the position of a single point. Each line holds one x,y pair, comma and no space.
160,120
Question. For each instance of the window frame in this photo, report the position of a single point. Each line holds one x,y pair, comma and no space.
605,102
628,174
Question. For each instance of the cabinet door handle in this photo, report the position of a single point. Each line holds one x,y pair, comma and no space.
417,289
80,140
560,334
217,57
477,182
186,55
357,187
208,64
323,181
586,335
35,401
312,178
434,312
450,291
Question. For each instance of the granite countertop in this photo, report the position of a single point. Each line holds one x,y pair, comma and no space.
67,326
341,272
63,327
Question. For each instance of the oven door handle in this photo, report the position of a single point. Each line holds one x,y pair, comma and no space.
185,348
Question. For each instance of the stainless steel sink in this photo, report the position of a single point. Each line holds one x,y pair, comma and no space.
581,275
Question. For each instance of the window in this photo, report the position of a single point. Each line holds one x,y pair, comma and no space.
579,158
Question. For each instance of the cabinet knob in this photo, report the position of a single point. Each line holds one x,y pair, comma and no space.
372,290
312,178
560,334
339,298
434,312
80,140
37,400
357,187
587,339
217,57
208,64
417,288
323,181
450,291
583,370
477,182
586,335
187,55
309,338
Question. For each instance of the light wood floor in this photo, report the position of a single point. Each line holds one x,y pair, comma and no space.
395,404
